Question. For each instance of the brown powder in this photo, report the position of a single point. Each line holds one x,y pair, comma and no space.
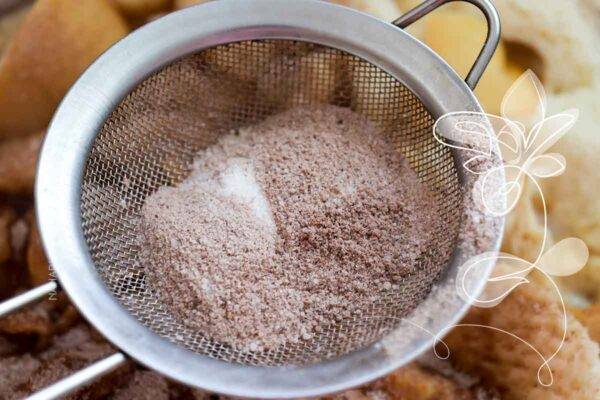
144,385
285,227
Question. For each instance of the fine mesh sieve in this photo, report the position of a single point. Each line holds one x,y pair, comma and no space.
151,138
137,117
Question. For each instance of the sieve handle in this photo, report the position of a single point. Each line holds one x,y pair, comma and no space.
491,41
16,303
80,378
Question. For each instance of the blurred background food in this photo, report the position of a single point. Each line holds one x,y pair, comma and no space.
46,44
52,46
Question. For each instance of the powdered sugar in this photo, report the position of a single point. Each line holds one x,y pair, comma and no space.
235,181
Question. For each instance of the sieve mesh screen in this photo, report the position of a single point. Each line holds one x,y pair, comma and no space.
150,139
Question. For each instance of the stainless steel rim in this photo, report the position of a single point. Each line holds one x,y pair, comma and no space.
100,89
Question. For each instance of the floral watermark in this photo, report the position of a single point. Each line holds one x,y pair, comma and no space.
522,135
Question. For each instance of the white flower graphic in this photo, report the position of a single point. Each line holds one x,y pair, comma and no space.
522,135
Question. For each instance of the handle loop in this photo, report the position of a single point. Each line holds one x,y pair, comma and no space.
491,41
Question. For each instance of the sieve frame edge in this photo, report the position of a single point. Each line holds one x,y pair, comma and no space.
101,88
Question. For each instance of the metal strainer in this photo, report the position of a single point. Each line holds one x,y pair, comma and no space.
137,117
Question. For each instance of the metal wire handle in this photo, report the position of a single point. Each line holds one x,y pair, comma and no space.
16,303
491,41
80,378
76,380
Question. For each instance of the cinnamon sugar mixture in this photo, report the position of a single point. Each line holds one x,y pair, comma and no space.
285,227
